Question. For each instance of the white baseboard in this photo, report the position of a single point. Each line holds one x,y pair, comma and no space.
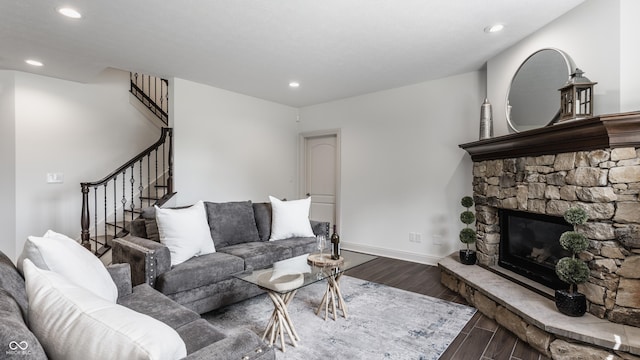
395,254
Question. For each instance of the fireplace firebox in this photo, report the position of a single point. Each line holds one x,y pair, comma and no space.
529,245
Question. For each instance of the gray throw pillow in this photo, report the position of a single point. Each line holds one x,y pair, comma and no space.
231,223
151,227
262,214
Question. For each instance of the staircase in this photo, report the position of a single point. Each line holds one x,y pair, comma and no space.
110,204
153,93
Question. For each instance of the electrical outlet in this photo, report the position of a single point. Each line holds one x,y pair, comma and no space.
415,237
436,239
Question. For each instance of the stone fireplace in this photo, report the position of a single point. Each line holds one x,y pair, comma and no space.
602,179
590,163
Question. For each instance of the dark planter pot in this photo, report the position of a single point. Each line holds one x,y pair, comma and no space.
468,257
571,304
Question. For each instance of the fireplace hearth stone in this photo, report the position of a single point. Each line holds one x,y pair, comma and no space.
533,317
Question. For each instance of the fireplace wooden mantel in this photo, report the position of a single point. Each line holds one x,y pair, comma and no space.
599,132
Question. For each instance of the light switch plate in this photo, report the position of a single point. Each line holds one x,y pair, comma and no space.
55,178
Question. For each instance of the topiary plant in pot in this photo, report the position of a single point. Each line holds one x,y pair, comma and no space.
572,270
467,235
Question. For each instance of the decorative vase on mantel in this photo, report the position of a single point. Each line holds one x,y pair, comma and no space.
571,269
467,235
486,120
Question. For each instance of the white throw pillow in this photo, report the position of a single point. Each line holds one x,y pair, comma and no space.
65,256
290,218
185,232
72,323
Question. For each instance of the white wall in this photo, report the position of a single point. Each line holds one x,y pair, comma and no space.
8,164
231,147
590,35
82,130
629,56
402,170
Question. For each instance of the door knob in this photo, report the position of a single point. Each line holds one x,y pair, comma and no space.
308,194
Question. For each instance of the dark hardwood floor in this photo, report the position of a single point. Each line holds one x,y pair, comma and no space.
482,338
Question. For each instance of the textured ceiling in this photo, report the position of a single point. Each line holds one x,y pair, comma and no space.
334,48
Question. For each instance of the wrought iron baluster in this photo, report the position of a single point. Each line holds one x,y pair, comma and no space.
170,162
106,231
133,181
164,169
124,203
140,187
148,177
115,203
156,177
95,214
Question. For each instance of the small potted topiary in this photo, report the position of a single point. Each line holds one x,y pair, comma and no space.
467,235
572,270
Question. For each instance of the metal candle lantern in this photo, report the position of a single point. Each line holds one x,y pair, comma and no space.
576,97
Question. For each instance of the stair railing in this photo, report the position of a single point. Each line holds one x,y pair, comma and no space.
121,196
153,92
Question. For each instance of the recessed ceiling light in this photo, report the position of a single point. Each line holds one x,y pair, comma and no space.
294,84
494,28
69,12
33,62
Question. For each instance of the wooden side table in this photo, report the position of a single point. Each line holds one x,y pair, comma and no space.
332,301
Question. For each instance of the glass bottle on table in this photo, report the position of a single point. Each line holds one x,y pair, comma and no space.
335,241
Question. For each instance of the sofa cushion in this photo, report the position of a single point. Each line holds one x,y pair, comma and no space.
198,334
18,342
185,232
232,223
13,283
146,300
242,345
262,214
73,323
258,255
290,218
199,271
299,245
214,296
65,256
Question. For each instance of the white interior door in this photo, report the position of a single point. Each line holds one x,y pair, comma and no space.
320,175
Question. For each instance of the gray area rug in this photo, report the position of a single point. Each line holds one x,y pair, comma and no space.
382,323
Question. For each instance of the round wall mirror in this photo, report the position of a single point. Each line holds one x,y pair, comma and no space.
533,99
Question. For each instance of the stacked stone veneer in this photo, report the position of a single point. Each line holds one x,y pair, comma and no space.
606,183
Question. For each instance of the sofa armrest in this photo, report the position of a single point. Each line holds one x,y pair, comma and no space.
121,275
148,259
320,228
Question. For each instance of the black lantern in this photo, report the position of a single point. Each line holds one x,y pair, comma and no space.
576,97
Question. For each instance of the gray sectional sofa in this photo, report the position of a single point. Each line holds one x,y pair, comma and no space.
240,232
202,339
